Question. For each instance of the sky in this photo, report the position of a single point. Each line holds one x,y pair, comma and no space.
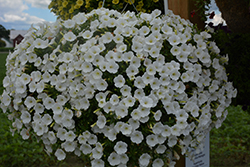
20,14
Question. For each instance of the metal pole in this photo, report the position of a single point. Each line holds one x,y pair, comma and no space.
166,6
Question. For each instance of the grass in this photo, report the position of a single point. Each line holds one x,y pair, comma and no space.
229,145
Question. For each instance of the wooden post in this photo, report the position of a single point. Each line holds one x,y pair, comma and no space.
184,9
181,161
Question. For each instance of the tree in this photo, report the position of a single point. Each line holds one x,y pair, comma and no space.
3,32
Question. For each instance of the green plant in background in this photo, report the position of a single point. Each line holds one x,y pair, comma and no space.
66,9
230,143
2,43
14,151
202,6
237,47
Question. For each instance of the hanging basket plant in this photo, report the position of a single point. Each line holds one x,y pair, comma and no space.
117,89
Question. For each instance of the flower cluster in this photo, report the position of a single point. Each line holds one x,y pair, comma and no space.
118,89
66,9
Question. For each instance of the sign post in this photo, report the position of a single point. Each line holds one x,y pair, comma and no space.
201,159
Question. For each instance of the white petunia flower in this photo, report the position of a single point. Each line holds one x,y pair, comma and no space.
26,117
97,163
144,159
107,37
48,103
158,115
151,140
132,70
166,131
40,86
114,100
69,36
157,128
120,147
69,23
86,148
158,163
70,136
136,137
146,102
25,134
67,57
92,139
39,108
139,83
60,154
174,74
175,50
172,140
67,121
167,29
150,40
101,121
144,30
46,119
96,153
122,48
25,79
126,129
39,43
114,159
6,81
30,102
69,146
147,78
121,111
101,85
58,118
45,77
161,149
125,90
119,81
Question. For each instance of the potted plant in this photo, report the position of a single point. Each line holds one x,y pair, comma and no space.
117,89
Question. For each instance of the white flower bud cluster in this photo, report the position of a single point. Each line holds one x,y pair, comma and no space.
118,88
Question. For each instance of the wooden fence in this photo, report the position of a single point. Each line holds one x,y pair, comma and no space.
184,9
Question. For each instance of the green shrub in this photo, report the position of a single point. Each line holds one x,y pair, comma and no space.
230,143
2,43
16,152
2,49
237,46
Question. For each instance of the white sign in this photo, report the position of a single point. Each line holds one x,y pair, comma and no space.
201,159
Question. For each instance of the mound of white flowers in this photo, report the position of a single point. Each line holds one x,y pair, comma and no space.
118,89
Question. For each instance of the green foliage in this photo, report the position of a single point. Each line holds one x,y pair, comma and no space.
202,6
2,69
230,143
2,49
2,43
3,32
15,152
66,9
237,46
